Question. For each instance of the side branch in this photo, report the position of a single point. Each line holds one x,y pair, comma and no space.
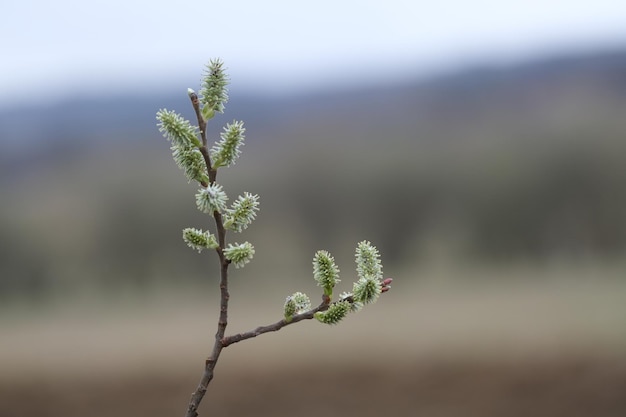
229,340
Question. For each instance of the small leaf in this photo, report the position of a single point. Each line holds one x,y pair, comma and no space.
208,113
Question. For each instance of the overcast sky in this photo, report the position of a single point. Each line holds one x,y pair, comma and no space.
55,48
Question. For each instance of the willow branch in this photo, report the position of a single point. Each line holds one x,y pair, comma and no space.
366,289
211,361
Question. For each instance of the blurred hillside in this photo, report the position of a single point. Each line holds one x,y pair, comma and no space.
485,165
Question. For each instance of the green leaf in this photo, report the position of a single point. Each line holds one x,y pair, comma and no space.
207,113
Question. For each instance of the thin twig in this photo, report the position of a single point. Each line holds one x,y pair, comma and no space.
211,361
195,102
204,150
229,340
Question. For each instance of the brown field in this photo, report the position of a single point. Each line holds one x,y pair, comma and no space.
519,350
558,387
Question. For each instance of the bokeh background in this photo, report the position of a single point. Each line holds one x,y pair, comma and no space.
480,145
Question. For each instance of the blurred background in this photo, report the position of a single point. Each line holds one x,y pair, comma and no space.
479,145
